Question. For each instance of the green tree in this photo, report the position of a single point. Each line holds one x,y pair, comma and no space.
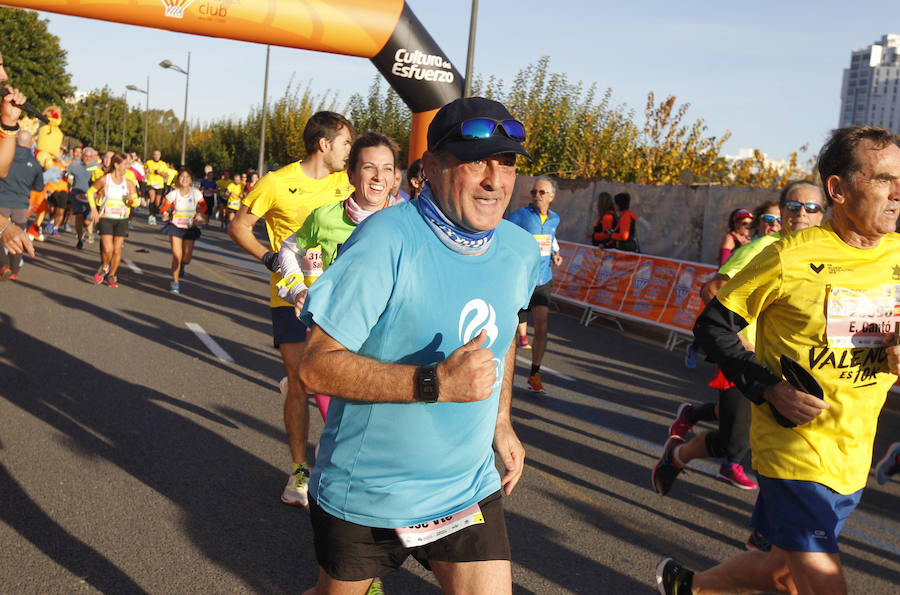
385,113
32,57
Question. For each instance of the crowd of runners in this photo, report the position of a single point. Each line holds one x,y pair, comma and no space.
409,308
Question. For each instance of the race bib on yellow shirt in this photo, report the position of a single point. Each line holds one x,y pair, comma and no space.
545,243
861,318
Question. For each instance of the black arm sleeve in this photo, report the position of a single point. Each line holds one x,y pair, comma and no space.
716,332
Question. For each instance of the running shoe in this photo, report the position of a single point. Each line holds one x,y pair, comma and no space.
757,542
294,493
734,474
100,274
534,383
5,272
889,464
90,238
667,469
174,287
673,579
13,277
682,425
376,588
80,244
690,357
112,281
49,229
522,342
151,220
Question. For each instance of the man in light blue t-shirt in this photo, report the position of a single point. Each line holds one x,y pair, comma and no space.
412,332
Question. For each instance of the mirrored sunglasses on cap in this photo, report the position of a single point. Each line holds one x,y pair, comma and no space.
768,218
481,128
810,207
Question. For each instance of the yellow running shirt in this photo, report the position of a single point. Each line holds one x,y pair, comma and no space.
157,171
285,198
828,306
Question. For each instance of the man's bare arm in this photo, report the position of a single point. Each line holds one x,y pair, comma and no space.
506,443
241,231
329,368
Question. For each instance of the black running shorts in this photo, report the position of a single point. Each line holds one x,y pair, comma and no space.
350,552
114,227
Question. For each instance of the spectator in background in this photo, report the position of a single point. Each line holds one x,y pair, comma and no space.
624,235
415,179
606,219
25,174
740,226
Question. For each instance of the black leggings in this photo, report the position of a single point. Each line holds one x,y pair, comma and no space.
732,440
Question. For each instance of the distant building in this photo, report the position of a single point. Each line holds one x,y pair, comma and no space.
870,93
782,166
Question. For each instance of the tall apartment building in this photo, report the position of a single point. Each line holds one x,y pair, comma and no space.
870,93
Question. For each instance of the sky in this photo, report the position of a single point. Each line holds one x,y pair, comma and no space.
768,72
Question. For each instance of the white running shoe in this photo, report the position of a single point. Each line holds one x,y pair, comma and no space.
295,492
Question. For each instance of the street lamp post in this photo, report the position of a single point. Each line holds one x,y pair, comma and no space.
124,115
107,126
146,110
94,111
187,80
261,167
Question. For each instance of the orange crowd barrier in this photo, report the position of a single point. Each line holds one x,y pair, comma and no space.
662,291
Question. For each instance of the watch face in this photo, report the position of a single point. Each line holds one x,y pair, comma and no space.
428,384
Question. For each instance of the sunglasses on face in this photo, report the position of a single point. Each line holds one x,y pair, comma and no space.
541,193
795,206
481,128
770,219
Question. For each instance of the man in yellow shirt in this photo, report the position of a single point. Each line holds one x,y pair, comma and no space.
157,172
828,297
285,198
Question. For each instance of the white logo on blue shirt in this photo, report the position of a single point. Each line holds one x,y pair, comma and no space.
485,318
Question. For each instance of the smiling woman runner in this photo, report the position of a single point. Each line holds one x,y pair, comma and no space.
373,159
118,196
182,211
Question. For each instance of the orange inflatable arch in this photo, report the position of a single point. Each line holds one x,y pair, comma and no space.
385,31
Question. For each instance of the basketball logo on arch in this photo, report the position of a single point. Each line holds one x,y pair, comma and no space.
476,315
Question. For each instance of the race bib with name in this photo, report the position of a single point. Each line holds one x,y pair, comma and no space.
545,243
425,533
861,318
182,219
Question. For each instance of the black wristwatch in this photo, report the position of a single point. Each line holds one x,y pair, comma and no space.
427,383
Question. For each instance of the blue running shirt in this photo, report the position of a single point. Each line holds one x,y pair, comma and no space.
397,294
529,219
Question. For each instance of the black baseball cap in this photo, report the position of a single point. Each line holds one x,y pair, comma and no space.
449,117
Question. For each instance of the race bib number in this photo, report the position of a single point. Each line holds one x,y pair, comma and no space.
234,204
861,318
311,265
182,219
545,243
430,531
115,212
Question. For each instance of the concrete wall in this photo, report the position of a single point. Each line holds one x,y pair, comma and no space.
684,222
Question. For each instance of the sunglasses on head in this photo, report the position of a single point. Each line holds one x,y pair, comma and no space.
795,206
770,218
481,128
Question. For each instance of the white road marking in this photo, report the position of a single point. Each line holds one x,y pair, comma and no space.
527,362
209,342
134,267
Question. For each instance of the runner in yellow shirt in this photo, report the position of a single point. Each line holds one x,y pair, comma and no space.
285,198
157,171
234,194
828,297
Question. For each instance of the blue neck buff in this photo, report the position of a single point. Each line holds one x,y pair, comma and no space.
452,236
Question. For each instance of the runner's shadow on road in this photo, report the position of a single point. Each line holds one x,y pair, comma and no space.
238,527
24,516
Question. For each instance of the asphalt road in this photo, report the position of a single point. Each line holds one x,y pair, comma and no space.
137,456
